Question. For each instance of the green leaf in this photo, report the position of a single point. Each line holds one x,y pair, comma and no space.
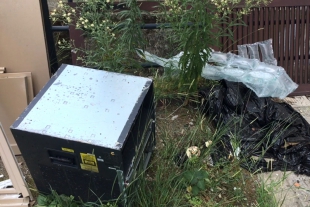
71,197
201,185
194,181
201,174
188,175
195,190
42,200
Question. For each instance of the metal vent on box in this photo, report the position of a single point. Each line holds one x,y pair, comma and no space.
87,132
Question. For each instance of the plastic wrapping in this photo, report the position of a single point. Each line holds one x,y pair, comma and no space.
264,79
263,129
253,51
265,48
243,51
172,63
219,58
267,52
235,61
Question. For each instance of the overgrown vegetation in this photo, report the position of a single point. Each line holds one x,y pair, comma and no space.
176,175
113,35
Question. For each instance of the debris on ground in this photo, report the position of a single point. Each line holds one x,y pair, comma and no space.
174,117
273,133
193,151
208,143
297,184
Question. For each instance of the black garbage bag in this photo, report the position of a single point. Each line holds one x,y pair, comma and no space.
271,135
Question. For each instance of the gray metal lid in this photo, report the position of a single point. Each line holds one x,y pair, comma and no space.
86,105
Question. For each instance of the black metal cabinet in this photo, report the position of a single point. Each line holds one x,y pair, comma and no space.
88,132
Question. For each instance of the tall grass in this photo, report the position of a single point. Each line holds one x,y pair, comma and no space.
224,184
174,179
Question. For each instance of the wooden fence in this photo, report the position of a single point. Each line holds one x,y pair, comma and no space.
287,23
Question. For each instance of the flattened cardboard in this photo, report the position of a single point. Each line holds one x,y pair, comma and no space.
22,40
13,100
29,84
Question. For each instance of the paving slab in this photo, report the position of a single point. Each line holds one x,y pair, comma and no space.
304,111
290,189
297,101
301,104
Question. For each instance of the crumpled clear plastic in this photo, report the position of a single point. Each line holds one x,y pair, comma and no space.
172,63
243,51
264,79
265,48
267,52
253,51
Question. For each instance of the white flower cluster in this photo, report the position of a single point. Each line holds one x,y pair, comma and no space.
68,16
64,13
226,6
60,4
85,23
62,42
174,6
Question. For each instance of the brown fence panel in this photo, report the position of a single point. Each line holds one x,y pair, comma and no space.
282,40
287,23
307,34
287,40
302,49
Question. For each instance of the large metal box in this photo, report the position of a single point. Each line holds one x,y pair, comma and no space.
87,132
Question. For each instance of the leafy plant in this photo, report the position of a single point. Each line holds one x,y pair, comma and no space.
102,49
55,200
111,37
197,26
195,181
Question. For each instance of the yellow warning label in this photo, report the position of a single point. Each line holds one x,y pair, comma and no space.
89,162
67,150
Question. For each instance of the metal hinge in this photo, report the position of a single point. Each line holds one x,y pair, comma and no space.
2,69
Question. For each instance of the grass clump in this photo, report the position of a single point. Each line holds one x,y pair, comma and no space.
183,170
174,179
